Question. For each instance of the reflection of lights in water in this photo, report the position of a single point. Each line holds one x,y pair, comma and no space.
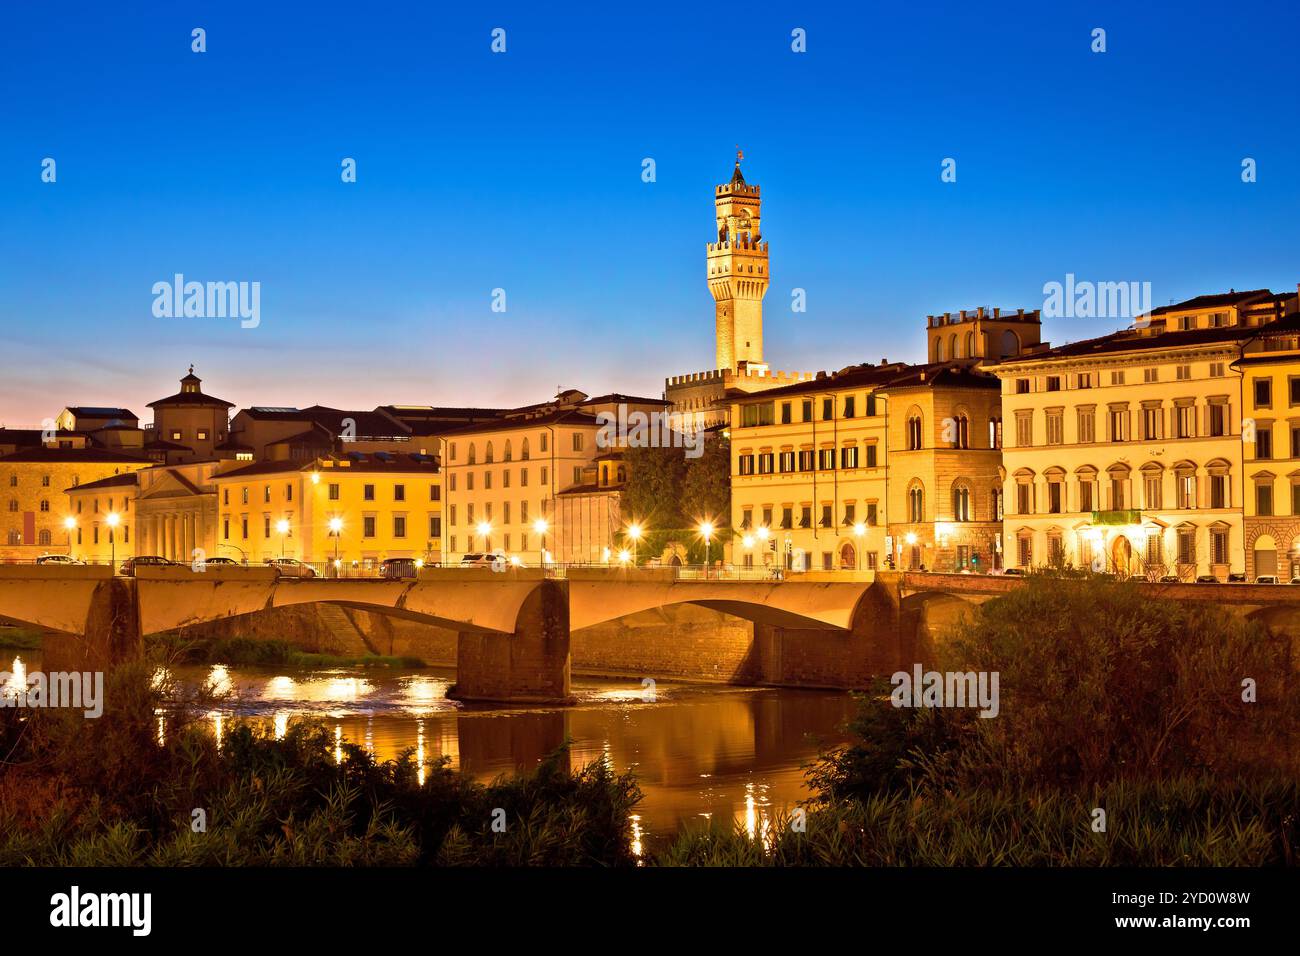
219,679
17,682
757,824
369,742
218,726
420,693
162,730
346,688
636,835
281,724
419,751
338,743
160,676
280,688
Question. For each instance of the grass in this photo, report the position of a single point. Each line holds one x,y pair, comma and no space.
20,638
247,651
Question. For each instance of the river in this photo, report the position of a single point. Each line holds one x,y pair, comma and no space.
699,751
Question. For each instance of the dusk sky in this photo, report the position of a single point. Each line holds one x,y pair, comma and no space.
522,171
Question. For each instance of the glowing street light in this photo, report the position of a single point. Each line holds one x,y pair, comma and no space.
69,523
113,519
634,531
540,527
484,529
706,531
282,526
336,530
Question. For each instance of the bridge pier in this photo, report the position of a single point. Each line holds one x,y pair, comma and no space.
530,666
109,636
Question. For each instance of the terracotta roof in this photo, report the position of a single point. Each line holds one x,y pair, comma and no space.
1131,340
360,462
197,399
91,411
563,416
91,456
112,481
1216,300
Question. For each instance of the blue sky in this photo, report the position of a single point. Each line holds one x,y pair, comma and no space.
522,171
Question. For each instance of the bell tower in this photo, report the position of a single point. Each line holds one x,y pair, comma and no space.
738,275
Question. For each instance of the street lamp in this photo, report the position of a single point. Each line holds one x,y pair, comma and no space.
706,530
282,526
484,529
336,528
113,519
540,527
624,556
69,523
859,532
634,531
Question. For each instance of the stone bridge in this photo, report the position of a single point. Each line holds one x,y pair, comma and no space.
513,629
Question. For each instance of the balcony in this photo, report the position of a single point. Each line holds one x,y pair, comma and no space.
1122,516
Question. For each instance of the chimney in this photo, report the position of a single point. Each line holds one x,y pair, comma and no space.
979,313
996,312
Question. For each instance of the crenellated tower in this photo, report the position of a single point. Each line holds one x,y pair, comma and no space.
738,275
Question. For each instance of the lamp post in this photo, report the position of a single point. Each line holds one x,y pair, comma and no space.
336,526
706,529
69,523
859,532
634,531
484,529
540,527
113,519
282,526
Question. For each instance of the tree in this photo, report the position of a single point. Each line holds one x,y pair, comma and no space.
669,494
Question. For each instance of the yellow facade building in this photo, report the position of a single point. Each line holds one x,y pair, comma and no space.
1124,452
504,475
1270,390
34,483
360,508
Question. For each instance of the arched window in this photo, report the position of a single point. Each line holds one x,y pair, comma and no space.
523,451
1010,344
43,537
970,345
995,432
952,346
473,454
487,454
938,349
508,455
961,503
961,431
916,502
914,429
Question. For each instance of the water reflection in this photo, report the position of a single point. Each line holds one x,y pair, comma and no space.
700,752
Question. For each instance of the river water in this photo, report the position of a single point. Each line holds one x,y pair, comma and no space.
699,751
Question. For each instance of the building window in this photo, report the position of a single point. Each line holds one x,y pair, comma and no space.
1022,386
435,526
1264,498
1186,421
1055,427
1219,545
1264,442
1186,546
1151,491
1218,419
1263,393
849,456
1024,497
1025,550
399,526
1151,420
368,526
786,413
914,432
1219,491
1186,484
399,492
916,504
1055,498
961,504
850,407
577,441
1024,429
1117,378
334,492
1119,424
368,492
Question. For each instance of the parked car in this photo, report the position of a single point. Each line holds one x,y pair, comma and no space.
398,568
291,568
58,559
477,559
1266,579
1296,579
1019,571
1236,578
1170,579
226,562
144,561
1206,579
